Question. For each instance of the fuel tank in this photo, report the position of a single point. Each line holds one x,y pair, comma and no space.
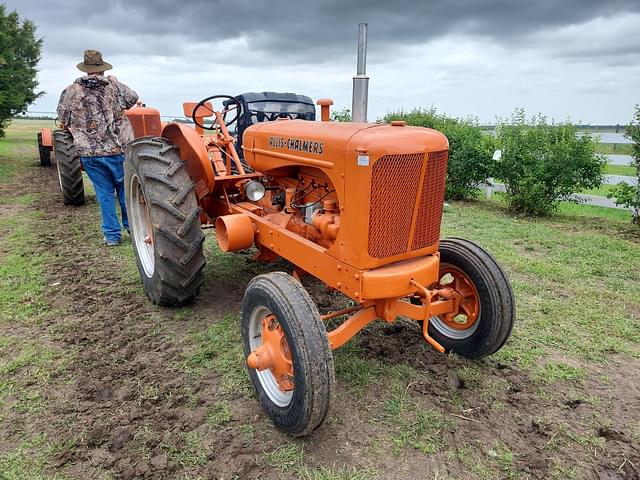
389,179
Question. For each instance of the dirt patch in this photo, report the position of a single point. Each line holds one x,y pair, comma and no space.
126,401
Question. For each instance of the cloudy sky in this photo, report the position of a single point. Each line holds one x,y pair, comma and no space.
575,58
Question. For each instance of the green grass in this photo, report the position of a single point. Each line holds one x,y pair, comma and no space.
289,458
559,372
561,269
489,463
21,269
423,429
219,348
219,414
601,191
28,461
189,451
19,143
625,170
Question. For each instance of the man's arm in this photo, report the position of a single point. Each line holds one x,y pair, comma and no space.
64,107
126,97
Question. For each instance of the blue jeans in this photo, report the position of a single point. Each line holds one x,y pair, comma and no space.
107,176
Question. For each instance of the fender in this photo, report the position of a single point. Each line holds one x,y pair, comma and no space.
47,138
194,153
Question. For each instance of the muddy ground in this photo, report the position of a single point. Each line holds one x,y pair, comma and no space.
118,388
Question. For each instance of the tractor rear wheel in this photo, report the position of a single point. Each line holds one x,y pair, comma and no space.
45,152
164,220
69,168
487,309
288,354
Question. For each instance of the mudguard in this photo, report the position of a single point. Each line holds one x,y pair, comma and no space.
194,153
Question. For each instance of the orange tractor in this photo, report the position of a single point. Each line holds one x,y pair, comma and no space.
356,205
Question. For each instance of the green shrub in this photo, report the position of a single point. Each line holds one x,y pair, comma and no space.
343,115
470,151
625,194
543,163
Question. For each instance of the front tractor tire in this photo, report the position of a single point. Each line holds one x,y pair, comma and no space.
288,354
69,168
164,220
485,319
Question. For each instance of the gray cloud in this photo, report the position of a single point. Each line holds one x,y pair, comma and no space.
317,32
577,58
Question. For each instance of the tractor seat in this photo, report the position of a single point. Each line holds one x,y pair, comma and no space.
205,111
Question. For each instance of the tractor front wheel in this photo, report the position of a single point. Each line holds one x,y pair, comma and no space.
288,354
164,220
487,308
69,168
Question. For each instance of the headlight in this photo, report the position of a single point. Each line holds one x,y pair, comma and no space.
254,190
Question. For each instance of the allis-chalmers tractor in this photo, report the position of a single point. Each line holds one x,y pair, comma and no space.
356,205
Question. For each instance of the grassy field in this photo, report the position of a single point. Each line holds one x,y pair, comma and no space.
615,148
97,383
624,170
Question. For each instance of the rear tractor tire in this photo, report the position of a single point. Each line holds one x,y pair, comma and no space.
487,312
164,221
69,168
44,152
288,354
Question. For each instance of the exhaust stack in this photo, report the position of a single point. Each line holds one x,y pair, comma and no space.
361,81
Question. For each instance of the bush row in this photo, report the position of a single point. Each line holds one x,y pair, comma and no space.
625,194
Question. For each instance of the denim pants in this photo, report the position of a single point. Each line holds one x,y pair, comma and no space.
107,176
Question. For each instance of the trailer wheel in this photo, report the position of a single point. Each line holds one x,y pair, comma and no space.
164,220
487,310
288,354
44,152
69,168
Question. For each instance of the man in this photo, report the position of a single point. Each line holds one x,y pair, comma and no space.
92,109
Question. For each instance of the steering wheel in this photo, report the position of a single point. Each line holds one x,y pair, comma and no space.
224,110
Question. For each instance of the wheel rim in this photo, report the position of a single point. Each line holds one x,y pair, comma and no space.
59,176
141,227
465,321
264,330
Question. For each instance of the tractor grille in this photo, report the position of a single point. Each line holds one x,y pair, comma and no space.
394,186
427,230
395,181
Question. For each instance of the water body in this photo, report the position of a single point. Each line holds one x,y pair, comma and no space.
609,137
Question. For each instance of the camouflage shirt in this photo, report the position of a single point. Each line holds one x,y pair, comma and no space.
92,109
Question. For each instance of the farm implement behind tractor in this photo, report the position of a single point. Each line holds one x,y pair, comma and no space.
355,205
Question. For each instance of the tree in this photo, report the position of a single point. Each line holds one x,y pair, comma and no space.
543,163
19,56
625,194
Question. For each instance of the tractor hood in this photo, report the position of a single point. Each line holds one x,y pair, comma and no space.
276,147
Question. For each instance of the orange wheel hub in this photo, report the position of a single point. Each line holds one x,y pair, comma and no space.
274,354
468,300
